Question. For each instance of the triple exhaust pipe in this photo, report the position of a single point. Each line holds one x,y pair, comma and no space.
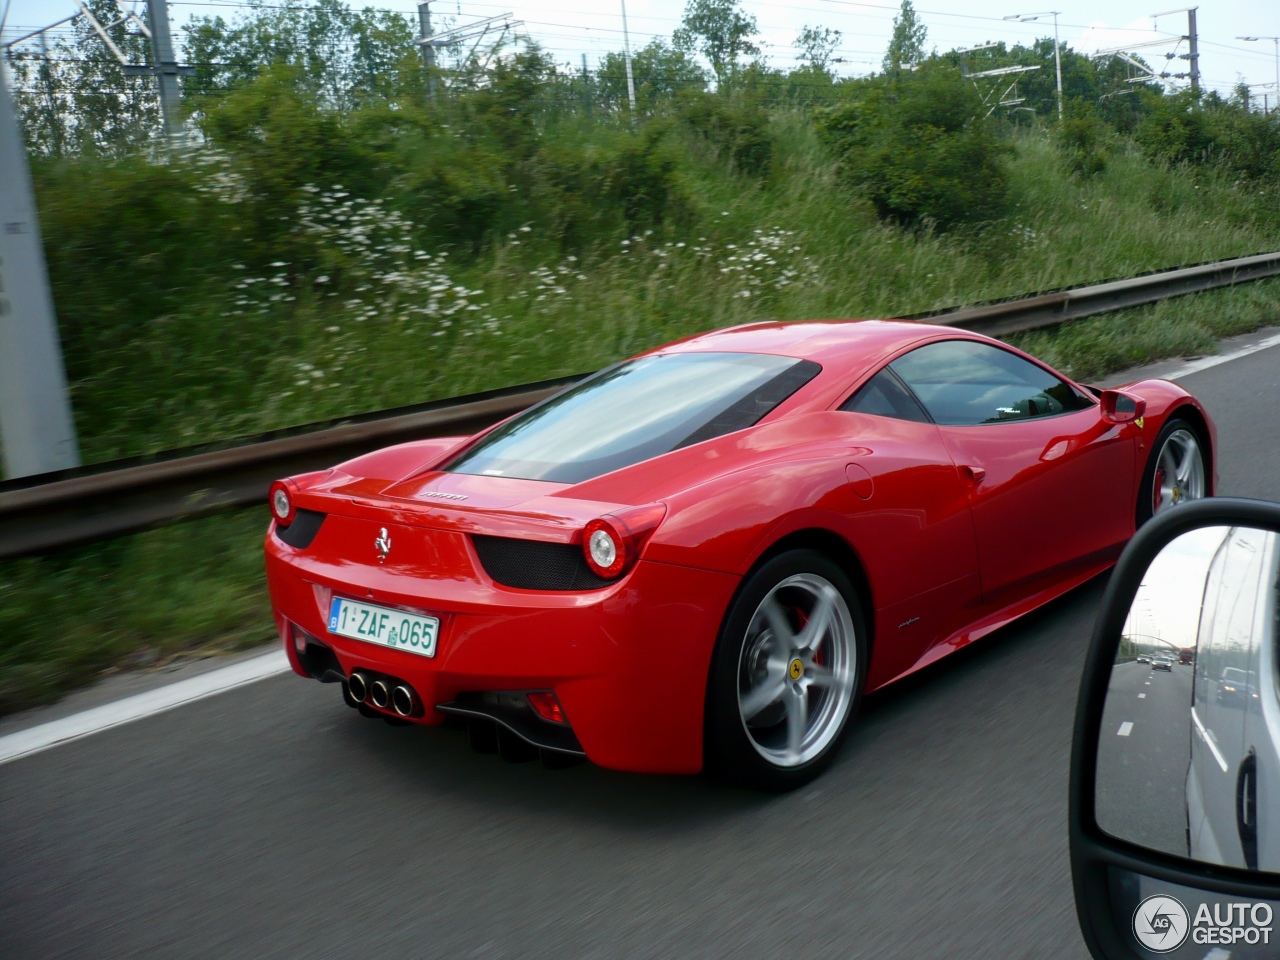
383,693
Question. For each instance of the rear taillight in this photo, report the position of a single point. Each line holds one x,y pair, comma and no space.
612,543
281,500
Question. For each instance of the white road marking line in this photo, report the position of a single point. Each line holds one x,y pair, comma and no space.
57,732
1207,737
1204,363
1124,729
1142,696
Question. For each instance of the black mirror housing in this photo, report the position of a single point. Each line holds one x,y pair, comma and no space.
1111,875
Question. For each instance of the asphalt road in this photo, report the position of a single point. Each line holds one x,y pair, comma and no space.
271,821
1143,756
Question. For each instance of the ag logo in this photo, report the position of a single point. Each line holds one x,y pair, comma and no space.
1161,923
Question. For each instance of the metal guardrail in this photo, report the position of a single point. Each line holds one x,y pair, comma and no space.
39,514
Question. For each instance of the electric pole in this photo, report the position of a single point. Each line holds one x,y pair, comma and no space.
1057,56
37,432
1193,49
166,67
428,48
626,49
1276,42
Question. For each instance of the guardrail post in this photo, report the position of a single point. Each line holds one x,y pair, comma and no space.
37,433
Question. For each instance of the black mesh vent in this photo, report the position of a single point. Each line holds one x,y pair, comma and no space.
535,565
750,409
305,526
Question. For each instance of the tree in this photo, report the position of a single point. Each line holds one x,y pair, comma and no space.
79,100
720,32
816,44
343,56
918,146
660,72
906,46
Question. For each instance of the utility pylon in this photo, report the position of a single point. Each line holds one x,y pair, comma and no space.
1193,46
37,432
626,50
166,67
428,48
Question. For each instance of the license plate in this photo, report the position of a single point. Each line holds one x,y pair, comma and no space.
382,625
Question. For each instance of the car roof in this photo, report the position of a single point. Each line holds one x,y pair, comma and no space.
823,341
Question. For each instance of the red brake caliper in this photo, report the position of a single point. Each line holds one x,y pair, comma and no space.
818,656
1157,490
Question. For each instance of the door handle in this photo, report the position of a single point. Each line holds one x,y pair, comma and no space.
1247,809
973,474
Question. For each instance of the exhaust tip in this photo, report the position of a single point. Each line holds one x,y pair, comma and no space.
358,686
380,694
402,699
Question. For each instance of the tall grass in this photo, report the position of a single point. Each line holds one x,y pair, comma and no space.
366,318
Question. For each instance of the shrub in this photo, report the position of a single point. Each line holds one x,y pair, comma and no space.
1180,130
738,127
921,149
1082,138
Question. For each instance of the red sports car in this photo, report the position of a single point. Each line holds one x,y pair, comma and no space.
705,555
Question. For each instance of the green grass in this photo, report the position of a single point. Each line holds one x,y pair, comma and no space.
192,588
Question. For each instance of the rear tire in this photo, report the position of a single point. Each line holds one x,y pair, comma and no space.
787,673
1175,472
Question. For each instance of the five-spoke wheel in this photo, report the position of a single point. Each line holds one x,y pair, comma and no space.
1175,473
787,673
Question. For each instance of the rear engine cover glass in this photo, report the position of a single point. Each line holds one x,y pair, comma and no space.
635,411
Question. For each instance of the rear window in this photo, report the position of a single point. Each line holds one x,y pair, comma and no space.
634,411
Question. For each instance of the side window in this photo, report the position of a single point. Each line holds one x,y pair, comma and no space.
962,382
885,396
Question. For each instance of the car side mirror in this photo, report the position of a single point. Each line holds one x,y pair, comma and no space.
1121,407
1175,766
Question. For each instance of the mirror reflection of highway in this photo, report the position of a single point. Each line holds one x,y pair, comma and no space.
1143,752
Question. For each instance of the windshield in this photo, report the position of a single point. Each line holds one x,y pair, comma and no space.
634,411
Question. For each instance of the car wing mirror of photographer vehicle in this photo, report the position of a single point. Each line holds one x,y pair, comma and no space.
1175,767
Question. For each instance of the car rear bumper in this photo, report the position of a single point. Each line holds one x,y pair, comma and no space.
628,663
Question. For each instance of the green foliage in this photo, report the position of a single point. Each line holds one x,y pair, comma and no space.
1180,130
738,127
659,72
343,57
113,114
816,45
917,145
1083,138
906,45
720,31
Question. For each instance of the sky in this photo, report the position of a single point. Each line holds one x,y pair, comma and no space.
1167,604
570,28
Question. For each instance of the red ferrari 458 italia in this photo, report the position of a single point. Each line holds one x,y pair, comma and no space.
707,554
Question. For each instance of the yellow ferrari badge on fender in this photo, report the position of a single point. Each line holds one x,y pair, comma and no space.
1138,422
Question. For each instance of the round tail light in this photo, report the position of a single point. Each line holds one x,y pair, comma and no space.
281,499
611,544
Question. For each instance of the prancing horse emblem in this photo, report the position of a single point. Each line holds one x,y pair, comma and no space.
383,543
